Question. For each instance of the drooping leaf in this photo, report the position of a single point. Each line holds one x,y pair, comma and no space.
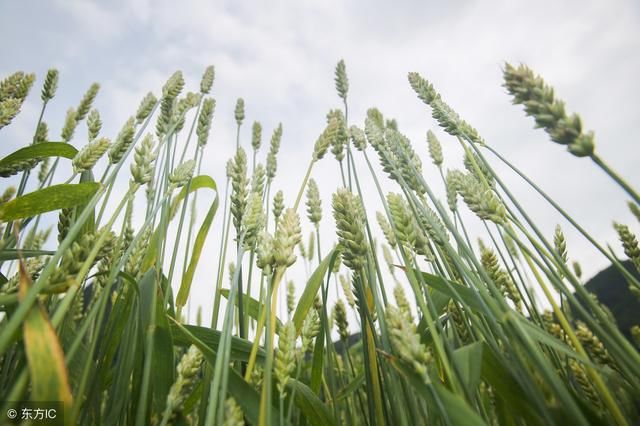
252,307
314,410
38,151
506,387
52,198
187,279
450,405
311,289
120,390
351,387
541,336
147,285
453,290
468,359
248,399
162,357
13,254
318,360
245,395
47,369
184,335
196,183
456,409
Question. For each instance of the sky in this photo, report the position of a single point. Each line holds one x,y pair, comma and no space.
280,57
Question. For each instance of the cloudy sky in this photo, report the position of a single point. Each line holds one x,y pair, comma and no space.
279,56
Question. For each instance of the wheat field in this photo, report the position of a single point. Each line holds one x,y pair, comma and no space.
425,325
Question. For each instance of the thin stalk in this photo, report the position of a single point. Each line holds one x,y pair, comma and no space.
616,177
564,214
303,185
145,392
265,399
226,221
190,233
100,310
621,344
218,384
26,173
177,241
595,377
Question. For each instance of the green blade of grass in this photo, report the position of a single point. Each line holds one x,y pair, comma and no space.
184,335
314,410
55,197
311,289
39,151
13,254
48,372
252,307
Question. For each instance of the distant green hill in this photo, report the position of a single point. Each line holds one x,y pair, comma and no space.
612,290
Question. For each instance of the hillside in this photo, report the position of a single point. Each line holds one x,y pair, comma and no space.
613,291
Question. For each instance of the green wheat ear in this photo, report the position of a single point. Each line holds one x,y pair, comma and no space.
347,291
253,220
435,149
9,109
285,356
406,342
291,297
239,111
70,124
314,204
274,147
258,179
204,121
94,124
256,135
145,107
340,138
87,100
123,141
50,85
349,219
142,166
182,174
342,82
482,201
207,80
239,184
311,246
387,230
548,112
233,415
187,370
358,137
310,329
340,317
287,237
629,243
16,86
89,155
326,138
8,194
278,205
446,117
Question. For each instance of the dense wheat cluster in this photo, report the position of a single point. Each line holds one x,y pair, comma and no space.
429,327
